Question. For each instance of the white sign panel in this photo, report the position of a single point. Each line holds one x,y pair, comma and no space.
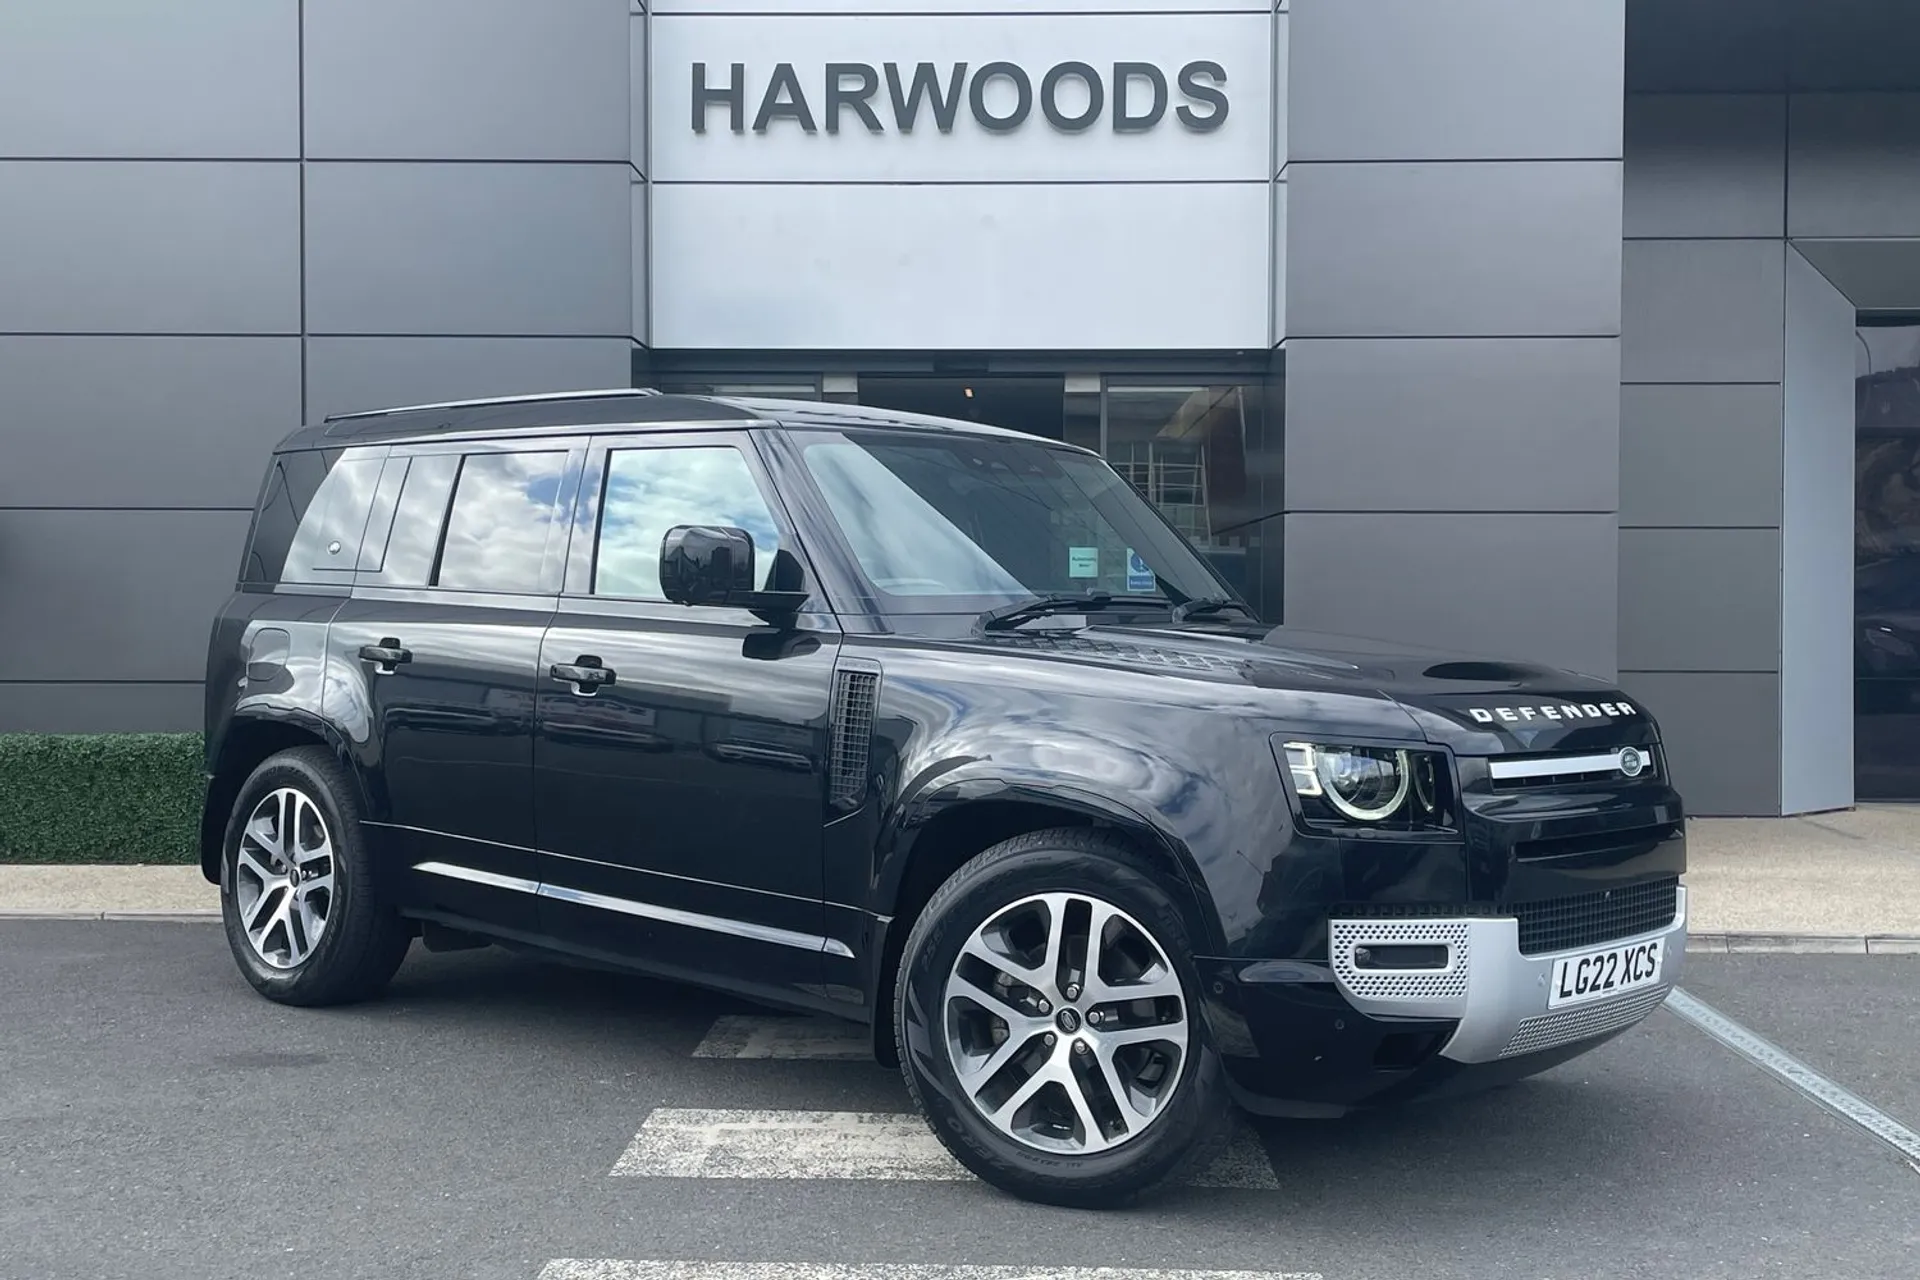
986,98
1023,266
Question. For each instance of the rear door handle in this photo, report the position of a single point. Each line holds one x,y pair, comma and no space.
385,656
585,675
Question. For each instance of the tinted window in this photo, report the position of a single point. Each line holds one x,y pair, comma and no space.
501,519
312,515
649,491
417,521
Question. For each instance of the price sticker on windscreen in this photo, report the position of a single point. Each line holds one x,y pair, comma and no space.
1139,573
1083,562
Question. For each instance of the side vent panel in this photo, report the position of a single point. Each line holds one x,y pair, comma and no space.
856,689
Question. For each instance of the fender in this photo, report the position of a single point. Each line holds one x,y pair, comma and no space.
960,782
277,723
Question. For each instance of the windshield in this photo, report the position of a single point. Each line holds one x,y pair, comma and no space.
957,523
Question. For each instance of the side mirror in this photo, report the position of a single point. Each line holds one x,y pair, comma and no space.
706,564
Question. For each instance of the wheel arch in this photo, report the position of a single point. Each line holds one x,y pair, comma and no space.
940,832
251,738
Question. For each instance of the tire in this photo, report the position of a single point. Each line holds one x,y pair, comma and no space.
934,1023
361,941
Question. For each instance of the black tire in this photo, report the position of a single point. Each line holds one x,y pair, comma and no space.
1183,1139
364,941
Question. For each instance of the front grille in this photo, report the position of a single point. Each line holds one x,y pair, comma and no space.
1567,771
1589,919
1621,844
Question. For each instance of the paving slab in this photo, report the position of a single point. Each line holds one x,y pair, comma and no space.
1849,874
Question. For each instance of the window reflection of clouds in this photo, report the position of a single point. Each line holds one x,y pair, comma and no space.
338,514
649,491
502,511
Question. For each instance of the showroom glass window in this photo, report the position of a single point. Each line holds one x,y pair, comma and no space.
1200,453
1886,552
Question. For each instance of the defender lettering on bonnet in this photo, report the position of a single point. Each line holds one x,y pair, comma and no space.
1554,711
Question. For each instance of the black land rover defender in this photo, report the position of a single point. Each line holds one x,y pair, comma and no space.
933,726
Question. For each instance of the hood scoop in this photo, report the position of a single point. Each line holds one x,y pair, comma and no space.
1473,672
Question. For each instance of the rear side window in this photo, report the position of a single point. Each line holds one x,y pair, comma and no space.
312,516
501,521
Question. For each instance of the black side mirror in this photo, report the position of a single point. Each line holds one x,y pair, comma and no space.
706,564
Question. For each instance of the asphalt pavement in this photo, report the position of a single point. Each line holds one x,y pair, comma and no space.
495,1118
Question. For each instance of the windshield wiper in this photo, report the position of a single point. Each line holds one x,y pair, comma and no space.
1200,606
1012,615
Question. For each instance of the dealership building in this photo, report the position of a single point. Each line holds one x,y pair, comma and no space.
1583,331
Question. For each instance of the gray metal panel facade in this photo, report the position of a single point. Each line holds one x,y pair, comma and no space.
1817,544
119,79
1439,248
1461,417
1551,388
1737,425
151,246
468,80
352,375
142,421
1470,79
480,249
199,255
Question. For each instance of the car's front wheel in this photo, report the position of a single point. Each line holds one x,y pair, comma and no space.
303,913
1048,1024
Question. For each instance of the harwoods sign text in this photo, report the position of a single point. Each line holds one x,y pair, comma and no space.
1139,91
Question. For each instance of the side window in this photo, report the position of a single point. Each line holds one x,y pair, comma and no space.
649,491
417,521
502,516
312,515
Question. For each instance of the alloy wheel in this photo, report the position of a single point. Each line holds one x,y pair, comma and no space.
1066,1024
283,878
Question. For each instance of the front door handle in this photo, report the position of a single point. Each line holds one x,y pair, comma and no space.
385,656
585,675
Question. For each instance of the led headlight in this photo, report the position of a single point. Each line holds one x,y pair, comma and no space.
1367,784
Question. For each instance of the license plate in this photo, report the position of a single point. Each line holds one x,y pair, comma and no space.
1607,972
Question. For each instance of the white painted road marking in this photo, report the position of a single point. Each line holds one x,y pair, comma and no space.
618,1269
685,1143
1798,1074
817,1039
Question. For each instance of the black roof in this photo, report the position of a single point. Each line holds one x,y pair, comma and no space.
568,411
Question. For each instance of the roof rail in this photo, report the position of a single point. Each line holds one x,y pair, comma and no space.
535,398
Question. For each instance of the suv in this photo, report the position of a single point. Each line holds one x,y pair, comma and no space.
932,726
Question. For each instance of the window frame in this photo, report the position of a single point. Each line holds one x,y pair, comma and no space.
585,530
379,574
322,580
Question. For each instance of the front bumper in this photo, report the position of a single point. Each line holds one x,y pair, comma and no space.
1498,995
1310,1039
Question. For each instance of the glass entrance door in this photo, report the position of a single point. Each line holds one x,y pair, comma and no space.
1886,610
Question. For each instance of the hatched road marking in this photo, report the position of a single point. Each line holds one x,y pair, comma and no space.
817,1039
680,1142
617,1269
1798,1074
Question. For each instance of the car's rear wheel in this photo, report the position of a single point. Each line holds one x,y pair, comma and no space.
1049,1028
303,913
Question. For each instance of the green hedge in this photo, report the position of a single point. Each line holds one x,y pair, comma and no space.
100,797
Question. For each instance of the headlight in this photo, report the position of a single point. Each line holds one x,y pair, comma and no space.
1368,784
